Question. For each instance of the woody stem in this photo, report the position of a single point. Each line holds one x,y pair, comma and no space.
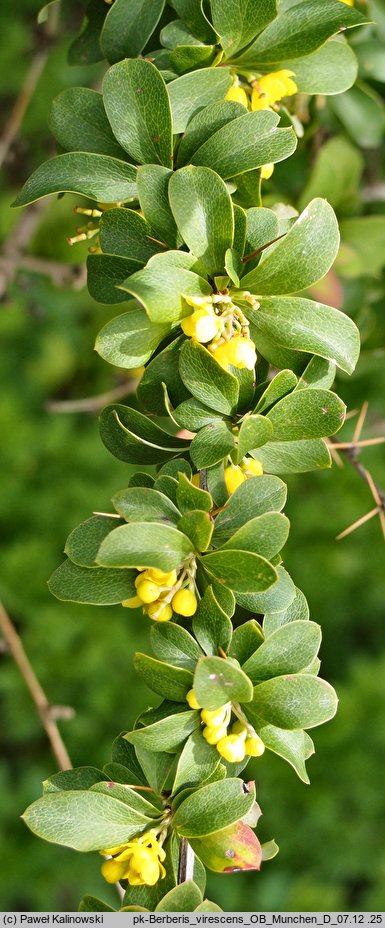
186,862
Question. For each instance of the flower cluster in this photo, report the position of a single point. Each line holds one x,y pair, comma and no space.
222,326
139,861
243,740
235,474
263,92
161,594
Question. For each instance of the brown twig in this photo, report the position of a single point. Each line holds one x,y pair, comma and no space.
93,403
350,451
186,862
47,713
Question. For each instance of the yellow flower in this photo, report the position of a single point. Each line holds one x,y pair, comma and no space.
203,324
267,170
213,734
160,612
232,748
139,861
132,603
215,717
348,2
233,478
251,468
271,88
192,700
238,352
254,747
238,94
184,603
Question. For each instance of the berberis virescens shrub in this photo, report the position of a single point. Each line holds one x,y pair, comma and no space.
197,106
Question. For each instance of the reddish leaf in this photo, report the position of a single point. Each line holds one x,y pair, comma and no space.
232,848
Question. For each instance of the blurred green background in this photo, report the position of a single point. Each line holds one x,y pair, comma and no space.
55,472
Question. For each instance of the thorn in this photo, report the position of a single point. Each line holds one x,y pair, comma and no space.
360,421
361,521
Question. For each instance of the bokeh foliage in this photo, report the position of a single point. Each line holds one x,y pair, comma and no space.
53,465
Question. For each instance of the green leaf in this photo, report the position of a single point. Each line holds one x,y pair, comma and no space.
192,92
97,177
237,22
203,125
245,641
92,904
230,849
165,679
163,369
191,497
216,804
130,339
293,746
79,778
203,212
143,504
297,611
217,681
152,180
172,643
242,571
132,437
85,49
295,701
123,754
83,543
84,820
307,414
96,586
365,236
206,379
193,16
246,143
294,457
137,105
127,29
194,415
371,59
329,70
299,31
336,173
317,373
146,544
212,443
288,650
277,597
302,257
186,58
124,232
162,285
361,112
182,898
134,800
105,273
262,227
166,734
79,123
211,625
197,762
207,906
283,383
254,432
254,497
265,535
198,526
304,325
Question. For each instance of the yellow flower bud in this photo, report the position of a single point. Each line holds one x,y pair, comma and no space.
203,325
159,612
238,94
232,748
252,468
233,478
213,734
112,870
254,747
192,700
239,352
148,591
132,603
215,717
271,88
184,603
348,2
267,170
239,729
196,480
164,579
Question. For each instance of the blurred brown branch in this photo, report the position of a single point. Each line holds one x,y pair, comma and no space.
47,713
350,451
